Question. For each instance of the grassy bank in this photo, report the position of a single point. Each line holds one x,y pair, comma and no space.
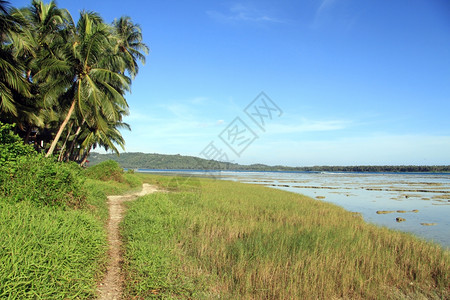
49,253
234,241
54,249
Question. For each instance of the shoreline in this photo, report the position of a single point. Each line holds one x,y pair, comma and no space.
364,193
246,233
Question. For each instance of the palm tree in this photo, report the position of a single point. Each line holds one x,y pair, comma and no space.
41,25
129,44
107,137
86,71
12,81
55,73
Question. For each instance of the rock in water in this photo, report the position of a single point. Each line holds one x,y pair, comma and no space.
381,212
428,224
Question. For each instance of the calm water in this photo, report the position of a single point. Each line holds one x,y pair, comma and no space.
368,193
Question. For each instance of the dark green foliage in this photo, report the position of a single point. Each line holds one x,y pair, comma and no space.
11,145
161,161
105,171
43,181
28,176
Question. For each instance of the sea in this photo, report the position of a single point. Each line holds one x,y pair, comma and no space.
420,201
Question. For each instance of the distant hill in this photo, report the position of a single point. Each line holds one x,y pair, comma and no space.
138,160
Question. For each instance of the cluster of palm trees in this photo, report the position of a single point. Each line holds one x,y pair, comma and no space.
64,83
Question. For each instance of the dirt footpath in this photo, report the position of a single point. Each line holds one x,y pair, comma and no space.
111,286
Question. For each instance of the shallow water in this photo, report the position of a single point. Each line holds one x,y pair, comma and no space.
368,193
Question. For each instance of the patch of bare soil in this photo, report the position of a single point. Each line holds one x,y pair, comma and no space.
111,286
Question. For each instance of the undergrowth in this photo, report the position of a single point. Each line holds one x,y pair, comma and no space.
52,224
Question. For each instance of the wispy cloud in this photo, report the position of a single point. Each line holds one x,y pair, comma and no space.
178,121
241,13
335,13
186,109
306,125
325,5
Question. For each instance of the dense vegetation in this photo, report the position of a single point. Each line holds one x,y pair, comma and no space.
180,162
63,83
52,217
219,239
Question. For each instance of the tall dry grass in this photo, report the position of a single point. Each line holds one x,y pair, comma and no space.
245,241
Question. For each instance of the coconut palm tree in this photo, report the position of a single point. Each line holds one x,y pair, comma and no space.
41,25
129,44
85,71
55,73
12,81
107,137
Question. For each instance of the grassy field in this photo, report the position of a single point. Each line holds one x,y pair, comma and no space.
203,239
56,252
220,239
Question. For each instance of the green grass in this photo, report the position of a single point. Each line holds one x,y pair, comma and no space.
49,253
57,252
219,239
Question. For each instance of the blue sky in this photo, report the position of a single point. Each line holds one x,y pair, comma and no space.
358,82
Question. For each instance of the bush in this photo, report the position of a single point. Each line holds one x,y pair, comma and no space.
11,146
43,181
105,171
132,180
26,175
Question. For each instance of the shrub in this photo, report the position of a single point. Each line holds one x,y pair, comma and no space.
132,180
105,171
43,181
11,146
26,175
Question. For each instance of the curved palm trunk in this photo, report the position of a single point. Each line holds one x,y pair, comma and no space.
69,151
27,135
61,153
61,129
84,160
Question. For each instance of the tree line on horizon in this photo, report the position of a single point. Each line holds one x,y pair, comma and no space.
63,83
138,160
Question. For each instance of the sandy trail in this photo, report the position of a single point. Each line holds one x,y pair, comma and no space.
111,286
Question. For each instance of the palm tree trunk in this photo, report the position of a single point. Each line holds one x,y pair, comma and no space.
61,129
69,152
65,142
27,135
83,161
